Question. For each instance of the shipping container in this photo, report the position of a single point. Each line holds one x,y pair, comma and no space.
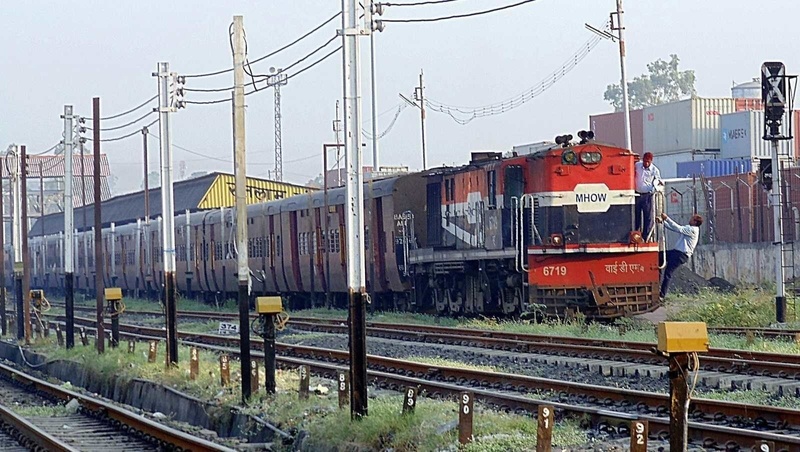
741,135
668,163
610,128
714,168
686,125
683,198
748,103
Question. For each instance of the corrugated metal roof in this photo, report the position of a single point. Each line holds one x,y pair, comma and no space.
128,207
191,194
221,193
53,165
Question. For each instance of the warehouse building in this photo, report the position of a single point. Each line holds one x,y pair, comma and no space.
210,191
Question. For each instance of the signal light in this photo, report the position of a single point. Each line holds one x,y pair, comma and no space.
585,135
563,140
179,100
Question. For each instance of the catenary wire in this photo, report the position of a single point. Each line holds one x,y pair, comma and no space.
273,53
459,16
464,115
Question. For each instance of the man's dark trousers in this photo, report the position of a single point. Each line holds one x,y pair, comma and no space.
675,259
644,213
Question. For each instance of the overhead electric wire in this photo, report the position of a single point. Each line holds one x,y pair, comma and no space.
400,108
127,112
429,2
219,101
458,112
459,16
262,76
273,53
137,131
200,154
45,152
108,129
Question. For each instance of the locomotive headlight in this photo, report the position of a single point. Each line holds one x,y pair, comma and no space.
636,237
591,157
557,239
569,157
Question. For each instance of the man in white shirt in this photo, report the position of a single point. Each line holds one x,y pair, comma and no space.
683,249
647,178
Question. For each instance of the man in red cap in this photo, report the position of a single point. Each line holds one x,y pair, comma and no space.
647,178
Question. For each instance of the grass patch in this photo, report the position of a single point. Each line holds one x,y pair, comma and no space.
451,363
743,308
41,411
763,398
431,427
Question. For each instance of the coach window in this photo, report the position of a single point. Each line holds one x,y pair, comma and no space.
491,182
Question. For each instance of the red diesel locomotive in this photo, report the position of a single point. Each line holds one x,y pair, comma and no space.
548,231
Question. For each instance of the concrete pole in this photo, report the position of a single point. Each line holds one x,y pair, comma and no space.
23,243
16,233
356,283
375,160
240,169
165,107
69,228
99,283
3,323
623,81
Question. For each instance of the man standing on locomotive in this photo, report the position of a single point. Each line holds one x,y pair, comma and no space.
683,249
647,179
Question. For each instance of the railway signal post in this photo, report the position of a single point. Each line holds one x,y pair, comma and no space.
775,92
69,228
680,342
240,170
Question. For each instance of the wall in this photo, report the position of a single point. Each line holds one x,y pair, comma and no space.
738,263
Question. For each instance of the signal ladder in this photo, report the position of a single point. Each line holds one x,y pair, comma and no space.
790,220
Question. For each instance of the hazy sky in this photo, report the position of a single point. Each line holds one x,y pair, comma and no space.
55,53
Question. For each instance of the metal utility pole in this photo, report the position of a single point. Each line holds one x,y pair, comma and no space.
375,161
146,213
167,209
620,29
69,228
23,243
276,80
356,283
84,236
419,102
99,284
420,96
240,169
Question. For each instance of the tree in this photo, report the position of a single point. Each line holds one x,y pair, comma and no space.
153,180
664,83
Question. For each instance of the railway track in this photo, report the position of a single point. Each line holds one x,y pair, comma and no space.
716,360
95,426
714,422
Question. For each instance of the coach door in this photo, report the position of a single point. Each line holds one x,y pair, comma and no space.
434,202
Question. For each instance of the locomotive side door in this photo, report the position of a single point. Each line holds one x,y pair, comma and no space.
513,187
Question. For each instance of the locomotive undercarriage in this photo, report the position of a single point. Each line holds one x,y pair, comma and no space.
468,288
600,304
